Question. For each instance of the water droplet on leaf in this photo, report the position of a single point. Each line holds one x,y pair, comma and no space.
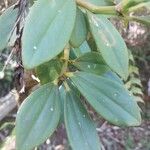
130,94
79,124
34,47
115,94
59,11
52,109
107,44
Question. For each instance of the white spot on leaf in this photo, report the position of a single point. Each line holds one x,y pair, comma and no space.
35,48
52,109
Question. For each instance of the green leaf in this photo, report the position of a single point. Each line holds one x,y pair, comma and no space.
62,99
37,117
136,90
77,52
147,4
46,31
91,62
139,99
80,30
111,75
80,128
49,71
142,19
100,2
7,22
110,44
110,99
136,81
131,3
133,69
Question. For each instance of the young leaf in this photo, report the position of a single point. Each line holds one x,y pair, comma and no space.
80,30
49,71
7,22
91,62
46,30
110,43
109,98
80,128
37,117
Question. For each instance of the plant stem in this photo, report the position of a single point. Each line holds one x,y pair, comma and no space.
8,60
68,74
137,19
97,9
66,86
66,52
66,59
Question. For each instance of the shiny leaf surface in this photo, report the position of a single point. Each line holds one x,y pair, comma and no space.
109,98
110,44
37,117
91,62
80,30
7,22
80,129
46,31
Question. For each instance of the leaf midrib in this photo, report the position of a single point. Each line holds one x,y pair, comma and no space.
47,27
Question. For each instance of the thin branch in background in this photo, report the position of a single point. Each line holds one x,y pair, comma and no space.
102,127
6,3
21,5
8,60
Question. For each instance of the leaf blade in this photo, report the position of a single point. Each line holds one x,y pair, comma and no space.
7,22
91,62
110,44
80,30
43,40
109,98
32,124
79,125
